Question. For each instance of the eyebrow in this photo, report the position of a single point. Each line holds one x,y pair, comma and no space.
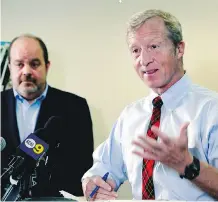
32,60
35,60
156,39
18,61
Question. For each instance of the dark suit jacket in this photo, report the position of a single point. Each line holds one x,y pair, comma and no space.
74,155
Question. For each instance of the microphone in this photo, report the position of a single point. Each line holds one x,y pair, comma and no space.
27,155
32,149
54,125
22,165
3,143
53,121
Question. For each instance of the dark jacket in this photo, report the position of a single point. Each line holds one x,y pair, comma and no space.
73,157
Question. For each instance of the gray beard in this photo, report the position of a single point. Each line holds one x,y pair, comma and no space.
30,90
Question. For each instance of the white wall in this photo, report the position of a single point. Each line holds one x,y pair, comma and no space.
86,42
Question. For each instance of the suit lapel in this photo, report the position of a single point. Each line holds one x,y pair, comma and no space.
12,119
45,110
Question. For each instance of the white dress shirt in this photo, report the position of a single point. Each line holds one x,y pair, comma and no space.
183,102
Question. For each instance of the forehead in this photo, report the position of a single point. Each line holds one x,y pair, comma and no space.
153,28
26,48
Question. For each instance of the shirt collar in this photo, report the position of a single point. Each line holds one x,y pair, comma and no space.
174,94
40,98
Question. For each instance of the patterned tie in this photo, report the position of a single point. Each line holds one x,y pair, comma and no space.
148,165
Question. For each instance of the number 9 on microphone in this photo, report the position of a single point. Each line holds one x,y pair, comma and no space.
38,149
34,146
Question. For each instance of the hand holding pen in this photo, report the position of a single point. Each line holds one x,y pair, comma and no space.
99,188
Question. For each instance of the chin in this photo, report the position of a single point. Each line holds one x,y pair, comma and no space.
150,84
30,89
153,84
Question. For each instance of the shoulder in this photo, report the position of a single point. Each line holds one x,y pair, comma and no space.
204,95
135,106
65,96
6,94
205,101
138,103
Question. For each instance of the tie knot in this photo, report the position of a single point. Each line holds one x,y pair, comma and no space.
157,102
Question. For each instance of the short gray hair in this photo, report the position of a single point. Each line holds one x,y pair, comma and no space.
172,24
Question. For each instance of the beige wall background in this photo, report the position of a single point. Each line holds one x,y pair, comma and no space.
89,55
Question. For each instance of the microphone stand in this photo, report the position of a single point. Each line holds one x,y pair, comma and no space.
15,162
13,192
18,189
13,189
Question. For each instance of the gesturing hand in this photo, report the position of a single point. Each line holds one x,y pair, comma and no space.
172,152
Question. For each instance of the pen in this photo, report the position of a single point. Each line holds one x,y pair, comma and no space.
97,187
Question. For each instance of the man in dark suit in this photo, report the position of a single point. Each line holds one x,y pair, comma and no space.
28,106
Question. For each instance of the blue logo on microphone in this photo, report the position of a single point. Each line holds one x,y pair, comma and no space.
34,146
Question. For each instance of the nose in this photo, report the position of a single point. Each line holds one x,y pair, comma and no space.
145,58
26,70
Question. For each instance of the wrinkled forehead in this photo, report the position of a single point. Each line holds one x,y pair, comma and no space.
151,29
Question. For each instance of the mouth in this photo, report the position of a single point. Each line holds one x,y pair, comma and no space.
150,72
28,83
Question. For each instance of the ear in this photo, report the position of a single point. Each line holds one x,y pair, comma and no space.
48,66
180,49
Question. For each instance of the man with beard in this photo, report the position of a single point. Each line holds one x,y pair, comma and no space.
28,106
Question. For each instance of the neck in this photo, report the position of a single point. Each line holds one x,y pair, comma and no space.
31,97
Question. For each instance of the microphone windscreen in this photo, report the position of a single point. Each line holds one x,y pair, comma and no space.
3,143
53,122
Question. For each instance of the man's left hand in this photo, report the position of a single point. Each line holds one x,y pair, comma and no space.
172,152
